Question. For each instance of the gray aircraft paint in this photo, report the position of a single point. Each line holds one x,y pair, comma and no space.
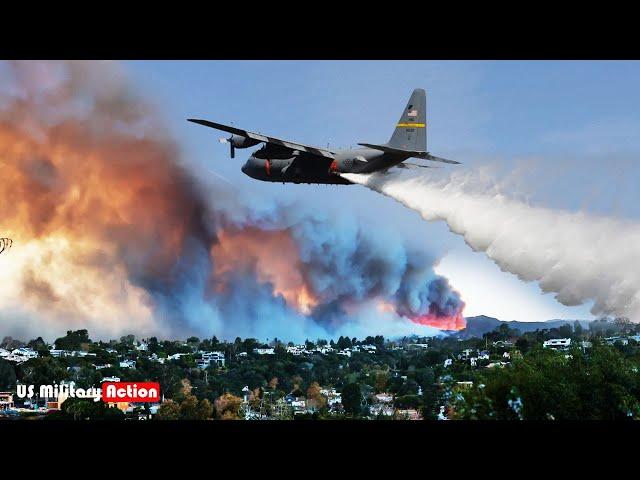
290,162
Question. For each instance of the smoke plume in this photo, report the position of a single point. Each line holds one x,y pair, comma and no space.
113,233
577,256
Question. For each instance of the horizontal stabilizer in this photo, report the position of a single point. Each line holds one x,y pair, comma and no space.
408,153
414,165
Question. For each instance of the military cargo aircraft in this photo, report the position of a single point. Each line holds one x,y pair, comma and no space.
290,162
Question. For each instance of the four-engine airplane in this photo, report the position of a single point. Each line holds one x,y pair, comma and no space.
285,161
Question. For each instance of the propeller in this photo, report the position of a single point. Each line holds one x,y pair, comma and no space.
232,149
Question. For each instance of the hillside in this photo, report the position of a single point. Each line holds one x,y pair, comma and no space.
477,326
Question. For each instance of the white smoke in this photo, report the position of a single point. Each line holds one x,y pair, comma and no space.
577,256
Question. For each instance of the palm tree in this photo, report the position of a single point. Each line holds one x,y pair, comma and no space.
5,244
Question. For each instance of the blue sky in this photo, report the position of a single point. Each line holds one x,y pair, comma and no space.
571,127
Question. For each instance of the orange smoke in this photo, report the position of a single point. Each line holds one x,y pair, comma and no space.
92,200
275,257
443,323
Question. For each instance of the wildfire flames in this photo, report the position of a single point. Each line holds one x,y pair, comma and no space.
455,322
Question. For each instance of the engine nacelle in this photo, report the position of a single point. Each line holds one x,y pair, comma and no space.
239,141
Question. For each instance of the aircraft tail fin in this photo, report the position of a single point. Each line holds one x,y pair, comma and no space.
411,129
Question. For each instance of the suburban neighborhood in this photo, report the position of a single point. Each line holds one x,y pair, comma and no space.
447,377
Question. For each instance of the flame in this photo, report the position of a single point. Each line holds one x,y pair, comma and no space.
456,322
443,323
273,254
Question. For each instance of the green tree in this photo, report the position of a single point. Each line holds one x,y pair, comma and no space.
42,371
228,407
7,376
85,409
169,410
204,410
189,408
352,398
73,340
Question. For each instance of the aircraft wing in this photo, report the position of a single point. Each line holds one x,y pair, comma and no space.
266,139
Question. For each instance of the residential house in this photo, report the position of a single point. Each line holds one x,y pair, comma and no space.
296,350
177,356
211,357
264,351
127,364
613,340
25,352
408,414
557,343
381,409
6,401
15,358
383,398
155,358
54,352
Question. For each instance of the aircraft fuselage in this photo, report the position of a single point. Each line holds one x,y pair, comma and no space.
270,165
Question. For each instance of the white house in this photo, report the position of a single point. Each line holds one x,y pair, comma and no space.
127,364
176,356
296,350
612,340
4,353
346,352
557,343
381,409
211,357
369,348
25,352
111,379
54,352
324,349
383,398
80,353
448,362
264,351
15,358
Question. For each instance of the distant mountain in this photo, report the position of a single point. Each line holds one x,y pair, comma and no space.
477,326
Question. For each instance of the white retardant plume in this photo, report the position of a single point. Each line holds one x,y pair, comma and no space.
577,256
